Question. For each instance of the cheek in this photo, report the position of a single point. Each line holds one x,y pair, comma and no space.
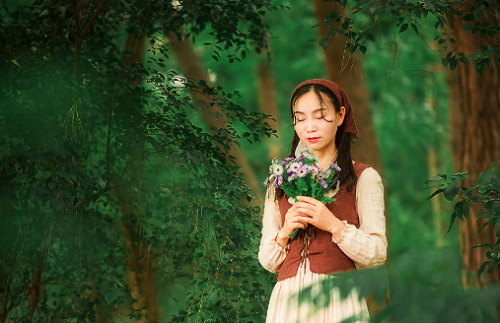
298,129
331,129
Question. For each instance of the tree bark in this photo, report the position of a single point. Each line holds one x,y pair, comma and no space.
267,102
140,269
347,72
35,290
80,33
475,137
193,69
351,80
434,168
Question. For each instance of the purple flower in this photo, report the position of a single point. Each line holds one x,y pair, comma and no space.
266,182
302,172
279,180
323,184
336,167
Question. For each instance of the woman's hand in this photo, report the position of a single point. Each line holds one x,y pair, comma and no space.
316,213
292,222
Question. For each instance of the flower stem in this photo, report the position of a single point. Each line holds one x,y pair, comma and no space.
294,233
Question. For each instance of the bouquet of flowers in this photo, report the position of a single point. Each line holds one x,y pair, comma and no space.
300,176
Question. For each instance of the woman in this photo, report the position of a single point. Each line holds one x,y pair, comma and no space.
334,237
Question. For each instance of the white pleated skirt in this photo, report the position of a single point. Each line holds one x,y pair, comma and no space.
285,307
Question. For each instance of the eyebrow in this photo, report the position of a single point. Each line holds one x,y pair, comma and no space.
319,109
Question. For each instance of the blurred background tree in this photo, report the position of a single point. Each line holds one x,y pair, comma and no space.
134,137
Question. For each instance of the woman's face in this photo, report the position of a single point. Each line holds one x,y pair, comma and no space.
312,122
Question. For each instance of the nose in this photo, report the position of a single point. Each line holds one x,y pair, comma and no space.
311,125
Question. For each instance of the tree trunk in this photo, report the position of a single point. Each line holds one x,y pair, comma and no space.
140,270
193,69
475,137
35,289
267,102
351,80
434,169
347,72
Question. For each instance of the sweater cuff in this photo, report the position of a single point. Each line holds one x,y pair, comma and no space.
280,248
342,233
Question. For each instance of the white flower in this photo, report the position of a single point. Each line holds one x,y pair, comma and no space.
313,169
302,172
305,151
277,169
294,167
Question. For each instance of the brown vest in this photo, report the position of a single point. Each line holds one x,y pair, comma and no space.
325,256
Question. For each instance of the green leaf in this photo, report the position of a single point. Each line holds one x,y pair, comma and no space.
443,176
465,209
467,26
497,183
111,297
429,5
488,62
482,268
482,227
459,209
453,63
487,176
492,31
324,43
362,49
435,193
451,190
445,62
482,245
479,68
452,219
464,60
494,265
403,28
459,176
414,28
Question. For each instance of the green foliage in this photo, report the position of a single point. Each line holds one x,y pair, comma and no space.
419,289
486,192
101,159
416,14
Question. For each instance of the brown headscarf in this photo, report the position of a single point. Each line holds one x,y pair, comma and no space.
349,125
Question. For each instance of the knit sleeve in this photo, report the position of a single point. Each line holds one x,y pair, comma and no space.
271,254
367,246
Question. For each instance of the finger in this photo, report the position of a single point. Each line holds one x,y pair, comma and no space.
306,220
303,205
307,199
301,224
305,212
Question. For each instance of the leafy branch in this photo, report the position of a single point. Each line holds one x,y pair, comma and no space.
486,191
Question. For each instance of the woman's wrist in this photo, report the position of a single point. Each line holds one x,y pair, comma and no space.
337,228
282,238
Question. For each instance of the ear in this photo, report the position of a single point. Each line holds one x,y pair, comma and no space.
340,116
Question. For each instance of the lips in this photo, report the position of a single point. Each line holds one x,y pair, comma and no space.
313,139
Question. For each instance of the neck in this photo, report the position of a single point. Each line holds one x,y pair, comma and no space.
326,157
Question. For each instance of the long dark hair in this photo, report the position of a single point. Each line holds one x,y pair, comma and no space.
343,140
